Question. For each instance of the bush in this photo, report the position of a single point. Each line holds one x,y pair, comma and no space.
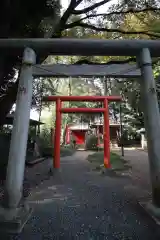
91,142
47,151
129,138
97,159
45,138
65,151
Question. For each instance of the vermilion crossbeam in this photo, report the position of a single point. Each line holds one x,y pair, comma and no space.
82,110
82,98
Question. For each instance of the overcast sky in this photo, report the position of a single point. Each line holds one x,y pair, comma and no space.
102,9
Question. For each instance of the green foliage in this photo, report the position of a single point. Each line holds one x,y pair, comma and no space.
5,130
157,70
47,147
46,137
28,19
91,142
67,151
97,159
64,151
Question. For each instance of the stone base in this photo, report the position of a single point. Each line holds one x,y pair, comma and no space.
13,221
151,210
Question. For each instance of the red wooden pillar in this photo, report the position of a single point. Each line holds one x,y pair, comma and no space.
67,135
106,135
57,139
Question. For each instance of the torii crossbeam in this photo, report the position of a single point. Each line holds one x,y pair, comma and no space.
87,70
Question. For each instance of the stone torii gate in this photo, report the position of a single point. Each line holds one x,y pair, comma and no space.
13,213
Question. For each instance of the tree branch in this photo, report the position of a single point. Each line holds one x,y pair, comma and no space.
61,25
56,32
103,29
88,9
78,2
118,13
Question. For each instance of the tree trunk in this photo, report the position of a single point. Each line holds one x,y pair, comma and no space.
7,102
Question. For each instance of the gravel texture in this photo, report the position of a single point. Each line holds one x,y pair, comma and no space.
82,204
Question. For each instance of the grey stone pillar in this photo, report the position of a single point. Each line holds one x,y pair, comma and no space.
17,154
152,122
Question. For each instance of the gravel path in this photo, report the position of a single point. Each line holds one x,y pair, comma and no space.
82,204
139,173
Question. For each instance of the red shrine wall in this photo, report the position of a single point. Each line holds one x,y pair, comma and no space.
79,136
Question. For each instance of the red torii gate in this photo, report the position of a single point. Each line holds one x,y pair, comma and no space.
60,110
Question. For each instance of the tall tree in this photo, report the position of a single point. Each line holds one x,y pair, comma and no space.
45,20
